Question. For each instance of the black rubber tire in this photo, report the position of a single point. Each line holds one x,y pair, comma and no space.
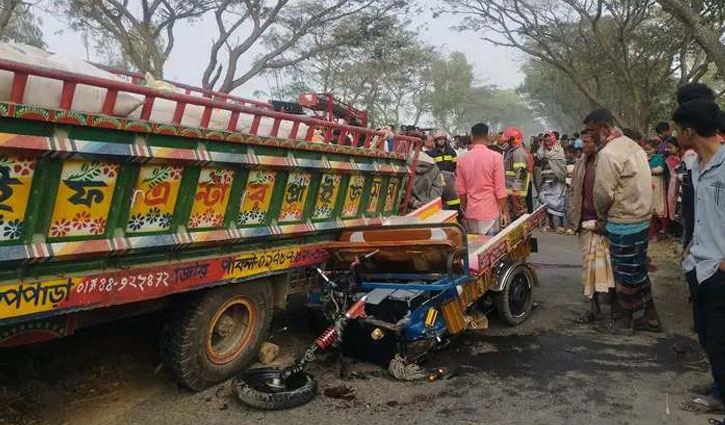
252,397
503,298
184,336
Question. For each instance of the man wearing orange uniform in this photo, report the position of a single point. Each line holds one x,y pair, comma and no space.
518,176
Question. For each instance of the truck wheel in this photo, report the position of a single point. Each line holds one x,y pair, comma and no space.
515,301
257,388
216,334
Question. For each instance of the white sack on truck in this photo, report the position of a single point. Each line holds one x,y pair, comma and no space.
46,92
163,112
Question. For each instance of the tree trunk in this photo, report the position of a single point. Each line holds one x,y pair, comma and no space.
705,36
8,8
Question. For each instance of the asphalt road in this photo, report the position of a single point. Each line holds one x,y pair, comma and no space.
547,371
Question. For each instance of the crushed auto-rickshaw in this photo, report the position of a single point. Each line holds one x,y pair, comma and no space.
393,294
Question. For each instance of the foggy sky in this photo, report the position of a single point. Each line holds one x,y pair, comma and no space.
492,65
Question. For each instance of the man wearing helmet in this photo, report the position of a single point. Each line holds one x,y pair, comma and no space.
446,159
515,160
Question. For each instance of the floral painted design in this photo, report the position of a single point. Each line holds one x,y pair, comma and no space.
257,197
24,166
81,220
60,228
91,170
157,190
326,196
97,226
295,196
13,229
84,198
211,198
16,176
209,218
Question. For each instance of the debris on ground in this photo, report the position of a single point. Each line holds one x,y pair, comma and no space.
400,369
268,353
477,321
341,392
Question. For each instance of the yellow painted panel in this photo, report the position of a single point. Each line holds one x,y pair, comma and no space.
16,176
211,198
257,197
28,298
392,194
154,198
84,198
326,196
375,195
295,196
353,197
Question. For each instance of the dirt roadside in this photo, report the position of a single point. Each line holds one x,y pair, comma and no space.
547,371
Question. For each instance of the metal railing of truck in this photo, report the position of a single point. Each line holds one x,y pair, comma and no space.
333,132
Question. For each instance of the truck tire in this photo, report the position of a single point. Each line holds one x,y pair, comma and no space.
516,300
252,391
214,335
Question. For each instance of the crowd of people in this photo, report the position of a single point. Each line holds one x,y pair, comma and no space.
531,174
617,190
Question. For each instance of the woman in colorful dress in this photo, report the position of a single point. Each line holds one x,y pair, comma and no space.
658,167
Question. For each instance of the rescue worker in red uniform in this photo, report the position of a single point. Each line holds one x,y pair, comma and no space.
518,175
446,159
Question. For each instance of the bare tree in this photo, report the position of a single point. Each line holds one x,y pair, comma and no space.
384,71
705,23
143,29
19,24
290,32
619,53
7,11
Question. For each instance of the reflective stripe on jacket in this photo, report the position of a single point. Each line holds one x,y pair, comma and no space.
445,158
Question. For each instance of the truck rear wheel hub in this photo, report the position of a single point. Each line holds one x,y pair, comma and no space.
230,330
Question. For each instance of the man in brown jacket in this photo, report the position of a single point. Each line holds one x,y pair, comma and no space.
596,264
623,200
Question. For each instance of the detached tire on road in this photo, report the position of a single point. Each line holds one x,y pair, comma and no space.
253,390
214,335
515,302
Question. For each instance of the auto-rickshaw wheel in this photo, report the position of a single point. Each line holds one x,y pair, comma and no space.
516,300
263,389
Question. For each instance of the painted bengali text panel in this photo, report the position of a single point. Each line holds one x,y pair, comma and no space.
211,198
254,208
16,176
295,196
391,195
326,196
374,195
353,197
85,192
155,194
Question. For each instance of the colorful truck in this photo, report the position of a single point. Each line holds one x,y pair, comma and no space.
105,215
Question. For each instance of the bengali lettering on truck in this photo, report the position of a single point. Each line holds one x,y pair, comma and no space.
122,286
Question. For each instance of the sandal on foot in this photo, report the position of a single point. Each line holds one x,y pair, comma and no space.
703,404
